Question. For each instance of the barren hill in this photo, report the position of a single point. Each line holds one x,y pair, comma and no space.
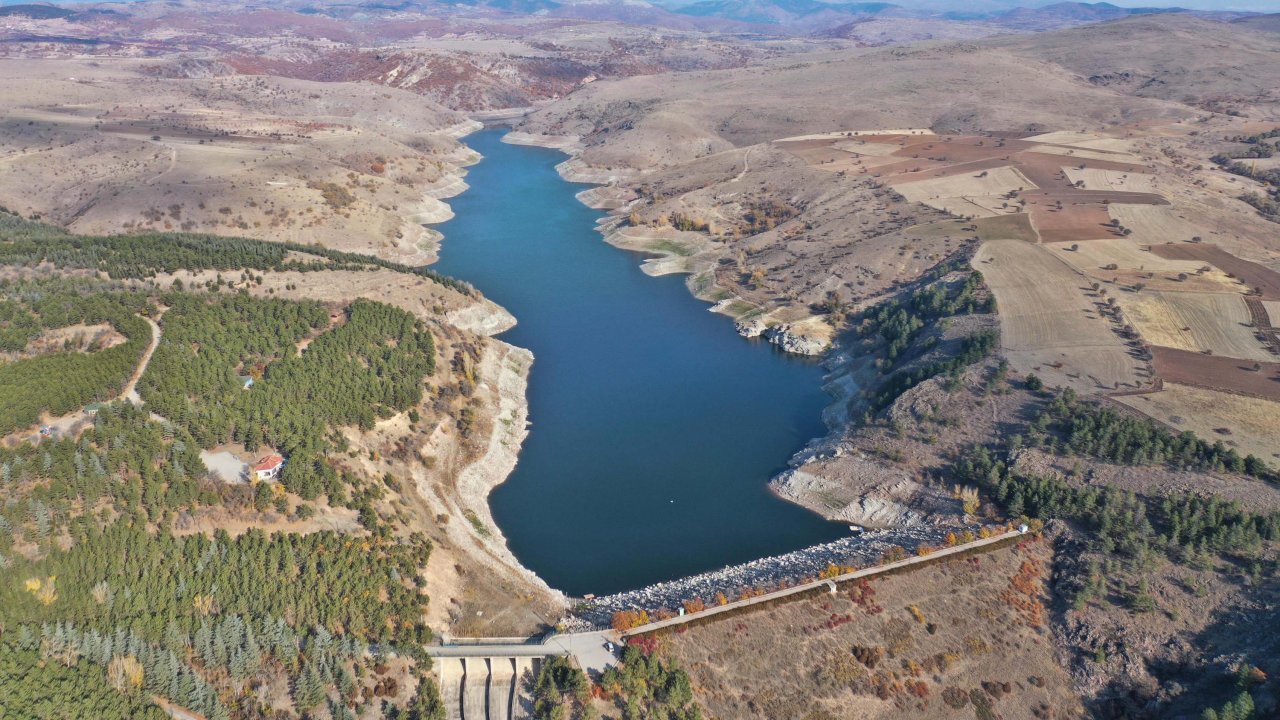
1170,57
268,157
1123,72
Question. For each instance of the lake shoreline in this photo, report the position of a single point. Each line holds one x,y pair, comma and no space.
491,473
672,251
846,374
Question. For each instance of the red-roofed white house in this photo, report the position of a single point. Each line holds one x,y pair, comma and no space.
268,468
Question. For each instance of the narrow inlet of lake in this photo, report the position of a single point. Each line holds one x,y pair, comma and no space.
655,427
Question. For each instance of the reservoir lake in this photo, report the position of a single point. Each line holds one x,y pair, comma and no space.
655,427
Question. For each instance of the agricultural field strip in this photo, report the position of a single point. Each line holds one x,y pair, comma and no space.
1047,323
1219,323
1100,179
1216,372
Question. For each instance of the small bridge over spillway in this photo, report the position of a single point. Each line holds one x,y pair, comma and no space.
488,678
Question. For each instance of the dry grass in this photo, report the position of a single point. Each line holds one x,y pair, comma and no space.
1095,179
1082,153
1252,424
349,165
1050,321
1199,322
1006,227
862,147
996,181
889,648
1063,137
1128,263
1156,224
326,519
78,338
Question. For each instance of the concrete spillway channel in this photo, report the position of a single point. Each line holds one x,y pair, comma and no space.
502,673
451,675
483,688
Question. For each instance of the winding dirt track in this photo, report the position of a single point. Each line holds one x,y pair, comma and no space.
130,391
70,422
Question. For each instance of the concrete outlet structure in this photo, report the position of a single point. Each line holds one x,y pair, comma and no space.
486,688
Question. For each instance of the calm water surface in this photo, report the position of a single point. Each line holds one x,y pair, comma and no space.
655,426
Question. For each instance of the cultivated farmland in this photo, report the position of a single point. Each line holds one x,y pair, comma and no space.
1216,323
1155,224
1258,379
1095,179
1125,262
1051,322
1263,280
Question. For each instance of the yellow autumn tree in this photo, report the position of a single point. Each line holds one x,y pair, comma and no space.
125,673
44,590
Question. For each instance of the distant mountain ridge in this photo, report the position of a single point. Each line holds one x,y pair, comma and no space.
771,11
1072,13
1045,17
37,12
818,18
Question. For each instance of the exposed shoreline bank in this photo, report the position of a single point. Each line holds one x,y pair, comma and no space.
668,250
673,251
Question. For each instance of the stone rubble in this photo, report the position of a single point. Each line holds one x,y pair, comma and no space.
767,573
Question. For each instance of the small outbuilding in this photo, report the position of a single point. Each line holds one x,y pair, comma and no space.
268,468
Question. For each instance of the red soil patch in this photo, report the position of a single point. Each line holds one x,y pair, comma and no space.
883,139
960,149
1045,169
1263,279
1073,223
902,175
1216,372
1083,214
908,170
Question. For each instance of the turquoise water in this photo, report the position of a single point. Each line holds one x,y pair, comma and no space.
656,427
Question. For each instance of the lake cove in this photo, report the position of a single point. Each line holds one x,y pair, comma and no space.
655,427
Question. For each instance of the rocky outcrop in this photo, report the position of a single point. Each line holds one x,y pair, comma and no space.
564,143
503,375
605,197
447,187
787,338
430,211
751,327
575,170
482,318
850,487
